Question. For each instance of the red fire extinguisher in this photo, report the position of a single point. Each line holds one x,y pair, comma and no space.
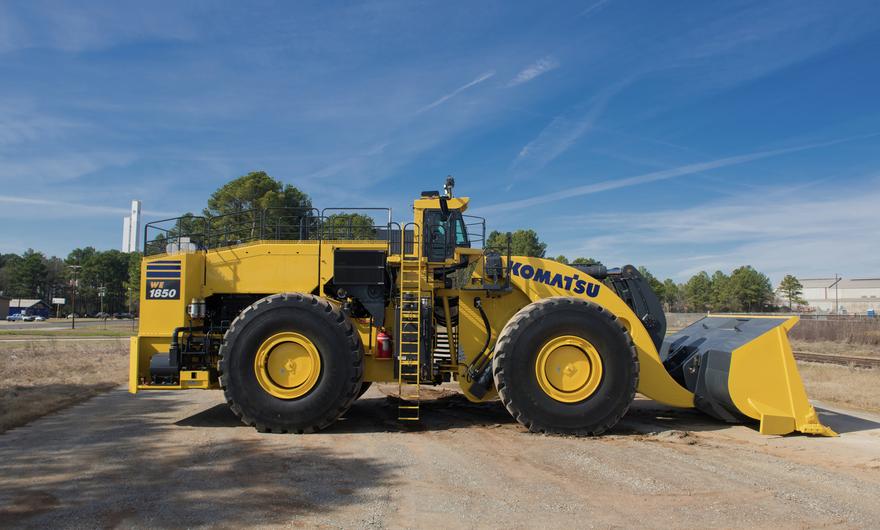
383,345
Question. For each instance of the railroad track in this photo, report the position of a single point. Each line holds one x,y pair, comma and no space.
844,360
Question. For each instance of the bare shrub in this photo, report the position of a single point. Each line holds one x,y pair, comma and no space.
850,331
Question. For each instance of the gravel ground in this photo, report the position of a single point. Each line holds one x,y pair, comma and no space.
183,460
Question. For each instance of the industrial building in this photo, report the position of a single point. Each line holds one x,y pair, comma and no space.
856,296
29,306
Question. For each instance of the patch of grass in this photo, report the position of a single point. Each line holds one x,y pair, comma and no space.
835,348
37,378
842,385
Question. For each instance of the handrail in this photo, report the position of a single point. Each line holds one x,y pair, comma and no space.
279,223
478,221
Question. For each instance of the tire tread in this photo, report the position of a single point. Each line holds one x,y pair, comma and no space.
510,332
334,318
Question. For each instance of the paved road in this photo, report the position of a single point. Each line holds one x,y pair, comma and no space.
59,324
183,460
62,339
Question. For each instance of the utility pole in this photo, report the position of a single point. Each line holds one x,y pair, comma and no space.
101,292
836,297
75,269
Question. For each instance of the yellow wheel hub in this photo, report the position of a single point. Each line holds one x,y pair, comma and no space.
287,365
569,369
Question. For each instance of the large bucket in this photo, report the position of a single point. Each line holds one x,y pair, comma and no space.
740,368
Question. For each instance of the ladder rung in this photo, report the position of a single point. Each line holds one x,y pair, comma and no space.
410,318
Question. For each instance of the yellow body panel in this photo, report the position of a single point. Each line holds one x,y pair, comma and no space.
472,333
195,379
262,267
764,384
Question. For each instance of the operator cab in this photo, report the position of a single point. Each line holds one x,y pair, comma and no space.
443,236
443,226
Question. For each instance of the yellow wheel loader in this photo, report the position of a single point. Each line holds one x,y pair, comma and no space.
293,313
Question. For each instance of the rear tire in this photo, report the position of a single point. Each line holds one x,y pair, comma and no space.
338,372
517,360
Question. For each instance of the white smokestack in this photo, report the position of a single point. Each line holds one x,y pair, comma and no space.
131,229
126,234
135,227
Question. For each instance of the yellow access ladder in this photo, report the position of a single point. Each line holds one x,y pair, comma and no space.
409,356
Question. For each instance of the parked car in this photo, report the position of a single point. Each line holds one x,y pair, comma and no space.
102,314
123,316
14,318
28,318
73,315
39,318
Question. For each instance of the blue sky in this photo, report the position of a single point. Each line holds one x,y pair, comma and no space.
680,135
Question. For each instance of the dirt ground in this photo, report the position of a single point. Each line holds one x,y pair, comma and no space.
181,459
41,375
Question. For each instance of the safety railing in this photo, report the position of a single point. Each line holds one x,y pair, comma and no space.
192,232
476,229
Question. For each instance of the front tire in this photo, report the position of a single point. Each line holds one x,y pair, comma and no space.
291,363
565,366
364,387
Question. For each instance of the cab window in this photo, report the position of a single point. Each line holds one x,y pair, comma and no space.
461,236
442,237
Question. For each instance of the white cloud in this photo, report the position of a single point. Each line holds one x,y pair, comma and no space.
806,234
457,91
593,7
539,67
67,209
612,184
79,27
58,167
564,130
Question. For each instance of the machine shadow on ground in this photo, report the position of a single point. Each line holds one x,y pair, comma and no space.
372,414
101,472
843,423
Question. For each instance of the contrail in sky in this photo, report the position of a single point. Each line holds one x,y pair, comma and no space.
613,184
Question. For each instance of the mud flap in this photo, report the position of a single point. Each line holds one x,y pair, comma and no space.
740,368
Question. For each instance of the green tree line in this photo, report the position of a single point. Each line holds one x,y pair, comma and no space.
116,274
744,289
